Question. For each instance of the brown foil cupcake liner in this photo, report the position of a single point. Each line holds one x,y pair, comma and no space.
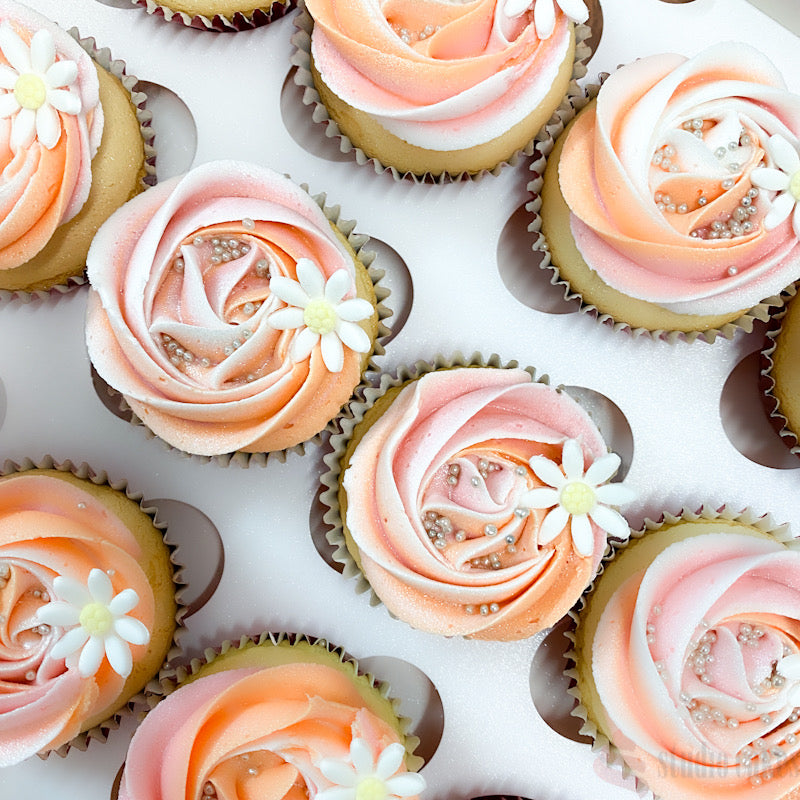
543,147
601,745
102,57
358,242
139,700
239,21
301,58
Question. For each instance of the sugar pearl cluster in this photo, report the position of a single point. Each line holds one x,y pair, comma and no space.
411,37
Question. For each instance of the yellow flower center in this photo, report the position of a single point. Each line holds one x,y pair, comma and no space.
578,498
320,316
794,185
30,91
371,789
95,619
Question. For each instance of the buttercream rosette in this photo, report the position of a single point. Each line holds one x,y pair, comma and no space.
61,176
665,206
471,499
277,715
232,311
218,15
686,657
438,90
90,606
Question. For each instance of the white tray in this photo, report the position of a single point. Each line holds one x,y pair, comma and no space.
697,428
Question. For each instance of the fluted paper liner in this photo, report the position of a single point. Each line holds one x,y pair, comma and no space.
568,110
140,699
239,21
764,523
301,58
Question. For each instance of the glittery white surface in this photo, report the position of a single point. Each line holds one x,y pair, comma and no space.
233,92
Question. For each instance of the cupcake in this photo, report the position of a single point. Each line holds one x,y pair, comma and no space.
87,607
273,717
473,500
443,89
219,15
231,312
687,656
73,147
780,379
665,205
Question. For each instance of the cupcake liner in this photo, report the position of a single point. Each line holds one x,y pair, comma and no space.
358,242
601,745
544,145
116,67
301,58
172,680
140,699
239,21
780,423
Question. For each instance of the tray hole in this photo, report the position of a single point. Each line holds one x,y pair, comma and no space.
399,283
116,3
3,403
549,684
418,699
109,397
519,269
745,420
200,549
613,424
174,128
595,23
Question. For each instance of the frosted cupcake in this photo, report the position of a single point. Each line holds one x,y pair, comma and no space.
443,89
230,311
666,205
688,657
219,15
73,149
278,717
87,607
473,500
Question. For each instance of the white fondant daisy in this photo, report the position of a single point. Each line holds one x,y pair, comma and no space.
316,307
97,622
364,779
34,84
784,178
544,13
577,497
789,668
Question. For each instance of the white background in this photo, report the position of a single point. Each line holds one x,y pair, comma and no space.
692,410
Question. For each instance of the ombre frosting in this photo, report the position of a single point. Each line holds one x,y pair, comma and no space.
250,733
661,179
450,503
51,123
689,660
52,530
183,318
440,75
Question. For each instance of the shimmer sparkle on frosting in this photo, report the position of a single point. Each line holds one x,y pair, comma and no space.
183,320
294,731
442,76
664,179
51,530
694,662
447,508
51,123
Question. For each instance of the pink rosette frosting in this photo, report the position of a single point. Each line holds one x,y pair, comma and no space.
286,731
51,530
182,311
693,662
450,497
51,123
441,75
661,179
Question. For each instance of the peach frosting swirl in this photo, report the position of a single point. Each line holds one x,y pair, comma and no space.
251,733
439,503
688,661
440,75
183,281
50,528
44,74
659,178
